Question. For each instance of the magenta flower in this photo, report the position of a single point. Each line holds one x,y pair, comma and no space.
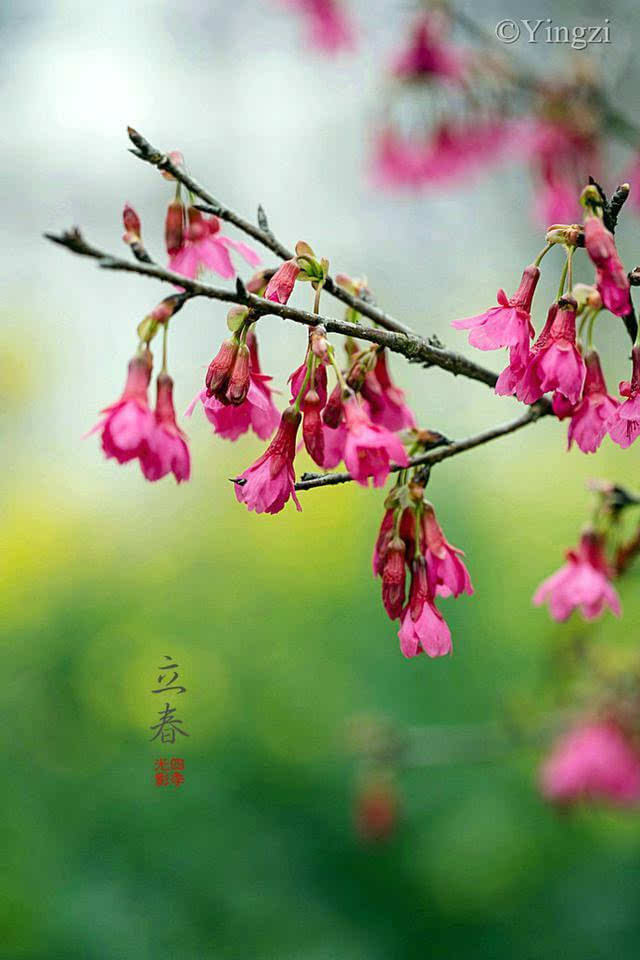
398,161
429,633
611,279
329,30
556,364
387,405
335,439
562,159
203,247
167,446
423,627
382,542
509,324
447,573
595,761
590,418
280,286
624,425
128,423
427,54
369,448
583,582
267,484
131,223
511,379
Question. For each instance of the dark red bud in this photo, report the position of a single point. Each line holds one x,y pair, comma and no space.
420,591
312,427
239,380
332,414
220,368
393,579
174,227
132,225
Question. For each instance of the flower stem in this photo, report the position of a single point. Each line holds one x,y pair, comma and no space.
310,365
563,277
165,338
542,254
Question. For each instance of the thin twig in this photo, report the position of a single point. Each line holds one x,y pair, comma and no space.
416,349
540,409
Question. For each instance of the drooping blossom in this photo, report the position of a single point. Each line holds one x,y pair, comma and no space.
313,429
335,439
127,424
257,412
590,417
387,406
611,278
369,449
509,324
397,160
556,364
382,542
268,483
447,572
329,29
220,369
624,424
594,761
562,153
280,286
423,628
427,53
509,381
583,582
167,445
203,246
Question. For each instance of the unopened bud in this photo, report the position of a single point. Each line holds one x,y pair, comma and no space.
319,342
132,226
240,377
236,317
220,368
174,227
393,579
332,413
312,427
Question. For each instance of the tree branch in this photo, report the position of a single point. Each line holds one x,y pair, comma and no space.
416,349
145,151
540,409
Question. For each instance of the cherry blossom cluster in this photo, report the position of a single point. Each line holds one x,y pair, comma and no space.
562,359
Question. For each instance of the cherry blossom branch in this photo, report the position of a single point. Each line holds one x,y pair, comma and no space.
414,348
540,409
261,232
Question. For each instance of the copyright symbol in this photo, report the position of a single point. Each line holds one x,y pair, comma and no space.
507,31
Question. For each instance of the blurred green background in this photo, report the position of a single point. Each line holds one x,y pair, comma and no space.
276,622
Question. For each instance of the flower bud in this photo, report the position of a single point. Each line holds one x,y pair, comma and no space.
280,286
220,368
132,225
393,579
312,427
239,380
174,227
419,592
318,341
332,413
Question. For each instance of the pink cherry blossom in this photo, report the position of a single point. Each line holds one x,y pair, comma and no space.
611,278
624,424
595,761
204,247
427,53
387,405
447,572
280,286
509,324
335,439
590,418
562,159
128,423
329,29
398,161
167,447
394,577
429,632
583,582
556,364
512,380
369,448
268,483
319,382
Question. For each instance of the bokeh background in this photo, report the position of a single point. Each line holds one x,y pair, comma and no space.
276,622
